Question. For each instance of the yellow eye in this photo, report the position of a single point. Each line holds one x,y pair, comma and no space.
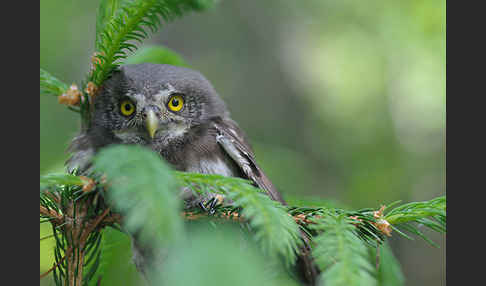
175,103
127,107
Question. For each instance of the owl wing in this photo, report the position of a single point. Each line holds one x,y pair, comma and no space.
230,137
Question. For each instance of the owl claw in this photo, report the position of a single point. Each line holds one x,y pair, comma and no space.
201,205
212,206
209,206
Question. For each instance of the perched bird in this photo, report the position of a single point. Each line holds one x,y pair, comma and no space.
177,113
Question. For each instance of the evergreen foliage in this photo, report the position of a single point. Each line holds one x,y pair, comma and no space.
73,214
156,55
135,182
128,24
50,85
340,253
153,201
142,187
274,229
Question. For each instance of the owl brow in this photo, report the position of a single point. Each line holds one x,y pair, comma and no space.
134,95
166,93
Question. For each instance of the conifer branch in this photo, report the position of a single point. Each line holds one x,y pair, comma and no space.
363,225
52,268
128,25
49,213
50,85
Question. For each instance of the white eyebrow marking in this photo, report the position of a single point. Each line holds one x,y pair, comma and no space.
166,90
138,97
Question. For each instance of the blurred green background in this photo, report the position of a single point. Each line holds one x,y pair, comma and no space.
342,100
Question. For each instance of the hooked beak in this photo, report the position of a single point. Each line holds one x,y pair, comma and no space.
151,122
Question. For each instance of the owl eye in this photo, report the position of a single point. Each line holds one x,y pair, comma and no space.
127,107
176,103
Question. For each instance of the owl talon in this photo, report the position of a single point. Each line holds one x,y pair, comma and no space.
201,205
209,206
212,206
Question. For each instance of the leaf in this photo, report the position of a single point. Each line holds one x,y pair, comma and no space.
106,11
129,24
340,254
50,85
389,272
60,179
218,257
156,55
430,214
142,188
416,210
275,230
116,267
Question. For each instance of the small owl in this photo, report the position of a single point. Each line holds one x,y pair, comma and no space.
177,113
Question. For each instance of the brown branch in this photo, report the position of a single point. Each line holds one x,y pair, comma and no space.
300,218
52,268
111,219
52,214
47,236
93,225
228,216
53,196
79,230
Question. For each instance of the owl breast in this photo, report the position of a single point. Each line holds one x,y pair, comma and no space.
211,166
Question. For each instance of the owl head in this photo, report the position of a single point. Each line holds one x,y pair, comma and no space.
154,104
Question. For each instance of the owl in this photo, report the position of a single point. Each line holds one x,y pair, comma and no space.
178,114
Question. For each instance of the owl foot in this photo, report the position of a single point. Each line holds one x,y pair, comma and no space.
210,208
210,205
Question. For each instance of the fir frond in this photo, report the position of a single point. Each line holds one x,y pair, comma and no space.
219,256
340,254
142,188
60,179
106,11
388,269
363,220
418,211
412,216
50,85
75,216
129,24
275,230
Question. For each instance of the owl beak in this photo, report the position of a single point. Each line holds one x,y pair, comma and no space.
151,122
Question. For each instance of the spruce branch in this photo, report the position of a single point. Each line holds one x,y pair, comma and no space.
128,25
411,217
106,11
76,216
340,254
52,268
51,214
326,225
142,189
50,85
276,231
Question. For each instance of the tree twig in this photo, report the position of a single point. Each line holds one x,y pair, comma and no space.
52,268
52,214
